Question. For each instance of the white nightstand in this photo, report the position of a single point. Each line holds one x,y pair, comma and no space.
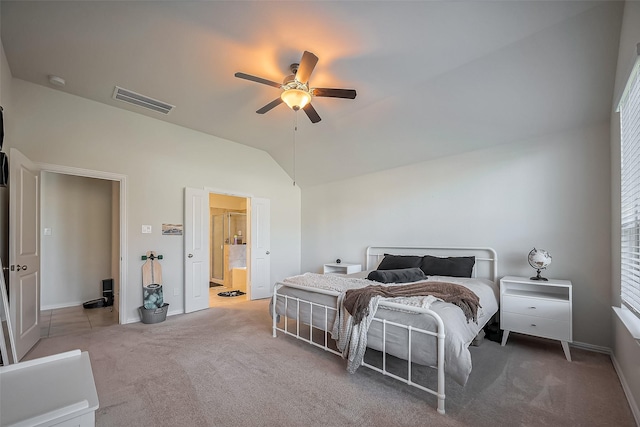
342,268
538,308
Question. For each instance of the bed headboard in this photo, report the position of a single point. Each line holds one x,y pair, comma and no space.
486,266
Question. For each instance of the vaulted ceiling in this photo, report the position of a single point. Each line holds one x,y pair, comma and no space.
434,78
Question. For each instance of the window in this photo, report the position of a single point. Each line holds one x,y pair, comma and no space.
630,191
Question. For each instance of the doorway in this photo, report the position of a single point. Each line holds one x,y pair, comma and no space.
25,206
197,250
229,233
115,186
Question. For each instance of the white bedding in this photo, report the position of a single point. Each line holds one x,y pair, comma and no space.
459,332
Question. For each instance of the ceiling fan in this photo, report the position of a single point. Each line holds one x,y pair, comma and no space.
296,92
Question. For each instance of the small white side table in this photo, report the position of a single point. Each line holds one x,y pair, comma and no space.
342,268
538,308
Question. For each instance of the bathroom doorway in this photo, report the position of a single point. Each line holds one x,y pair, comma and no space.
228,242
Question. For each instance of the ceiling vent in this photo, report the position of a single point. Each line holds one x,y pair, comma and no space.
142,101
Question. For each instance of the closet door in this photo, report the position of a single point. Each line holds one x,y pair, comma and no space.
261,285
196,246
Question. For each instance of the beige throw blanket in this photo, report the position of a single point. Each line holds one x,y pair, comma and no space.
351,339
356,301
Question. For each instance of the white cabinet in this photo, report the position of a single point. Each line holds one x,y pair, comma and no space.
342,268
57,390
539,308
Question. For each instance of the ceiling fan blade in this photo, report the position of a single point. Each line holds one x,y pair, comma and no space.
257,79
334,93
270,105
307,64
311,113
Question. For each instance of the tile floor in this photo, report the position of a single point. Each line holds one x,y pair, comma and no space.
69,320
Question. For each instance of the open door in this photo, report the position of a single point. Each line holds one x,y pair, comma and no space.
196,247
24,251
260,248
4,315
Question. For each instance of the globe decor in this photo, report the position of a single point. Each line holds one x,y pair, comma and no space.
539,259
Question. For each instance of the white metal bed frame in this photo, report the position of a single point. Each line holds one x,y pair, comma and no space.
486,266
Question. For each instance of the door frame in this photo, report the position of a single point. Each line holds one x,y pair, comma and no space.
108,176
248,196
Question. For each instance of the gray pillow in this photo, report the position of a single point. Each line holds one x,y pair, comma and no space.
396,262
403,275
451,266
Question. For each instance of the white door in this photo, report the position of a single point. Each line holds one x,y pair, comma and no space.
196,247
4,316
24,251
260,248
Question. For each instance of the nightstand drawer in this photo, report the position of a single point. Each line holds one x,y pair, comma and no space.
538,326
551,309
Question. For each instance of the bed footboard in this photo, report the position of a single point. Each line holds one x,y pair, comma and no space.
303,312
291,301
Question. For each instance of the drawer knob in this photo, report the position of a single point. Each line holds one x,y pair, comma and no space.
532,308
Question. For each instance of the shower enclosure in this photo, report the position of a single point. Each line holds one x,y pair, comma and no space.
224,226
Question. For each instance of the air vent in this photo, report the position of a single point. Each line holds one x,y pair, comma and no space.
142,101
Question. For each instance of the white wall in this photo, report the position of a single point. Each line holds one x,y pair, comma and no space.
551,193
5,83
5,79
159,160
76,257
626,349
5,101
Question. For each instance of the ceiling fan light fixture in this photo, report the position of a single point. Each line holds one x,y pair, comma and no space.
296,91
296,98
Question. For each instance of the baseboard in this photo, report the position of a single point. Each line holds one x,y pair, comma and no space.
129,320
625,387
591,347
627,391
174,312
63,305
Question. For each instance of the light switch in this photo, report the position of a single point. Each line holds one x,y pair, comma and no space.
47,232
146,229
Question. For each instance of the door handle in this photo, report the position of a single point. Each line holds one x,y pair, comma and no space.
21,267
190,255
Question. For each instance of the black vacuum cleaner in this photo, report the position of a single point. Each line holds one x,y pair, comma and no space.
107,296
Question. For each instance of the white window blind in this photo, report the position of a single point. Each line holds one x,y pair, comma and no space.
630,191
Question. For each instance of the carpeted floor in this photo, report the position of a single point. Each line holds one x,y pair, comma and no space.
221,367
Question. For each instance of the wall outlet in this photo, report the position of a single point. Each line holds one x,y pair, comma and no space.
176,292
146,229
47,232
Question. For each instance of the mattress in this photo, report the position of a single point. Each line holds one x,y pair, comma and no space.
324,289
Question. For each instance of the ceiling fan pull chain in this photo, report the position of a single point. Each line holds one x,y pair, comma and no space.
295,131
